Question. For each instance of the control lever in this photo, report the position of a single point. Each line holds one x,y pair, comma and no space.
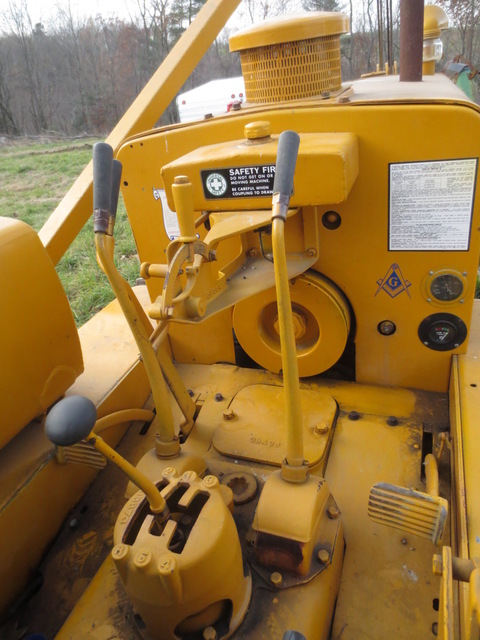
72,420
294,467
105,179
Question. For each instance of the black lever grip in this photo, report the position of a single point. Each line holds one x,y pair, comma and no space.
287,151
116,178
70,420
102,185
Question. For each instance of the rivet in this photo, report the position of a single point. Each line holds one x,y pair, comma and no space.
392,421
353,415
218,397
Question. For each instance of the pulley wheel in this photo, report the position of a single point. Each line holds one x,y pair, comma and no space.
321,319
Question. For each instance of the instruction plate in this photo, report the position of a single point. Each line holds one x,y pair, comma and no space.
254,181
431,204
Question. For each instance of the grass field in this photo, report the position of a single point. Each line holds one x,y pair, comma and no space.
34,177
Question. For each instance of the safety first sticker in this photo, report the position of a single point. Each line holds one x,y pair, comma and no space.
238,182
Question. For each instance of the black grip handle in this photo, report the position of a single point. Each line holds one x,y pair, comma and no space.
102,176
116,178
70,420
287,152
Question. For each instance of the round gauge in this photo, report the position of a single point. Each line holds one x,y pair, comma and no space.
445,286
442,331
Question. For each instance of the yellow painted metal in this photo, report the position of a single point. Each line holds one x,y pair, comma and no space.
155,499
379,359
414,512
37,346
321,317
137,322
332,156
182,193
446,606
127,415
473,631
75,208
184,586
294,457
434,21
293,512
34,487
254,425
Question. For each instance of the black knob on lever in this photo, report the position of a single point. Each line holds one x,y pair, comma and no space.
70,421
102,185
287,151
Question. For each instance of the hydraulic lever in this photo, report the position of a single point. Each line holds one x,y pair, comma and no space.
294,467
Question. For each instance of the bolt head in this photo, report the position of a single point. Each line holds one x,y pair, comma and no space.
333,512
276,579
323,556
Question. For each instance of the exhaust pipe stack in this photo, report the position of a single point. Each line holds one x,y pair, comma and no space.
411,40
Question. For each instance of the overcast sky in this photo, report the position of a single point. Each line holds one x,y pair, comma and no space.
46,10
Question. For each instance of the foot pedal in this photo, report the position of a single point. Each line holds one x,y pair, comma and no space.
81,453
408,510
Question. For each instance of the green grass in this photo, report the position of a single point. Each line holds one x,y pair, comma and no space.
34,177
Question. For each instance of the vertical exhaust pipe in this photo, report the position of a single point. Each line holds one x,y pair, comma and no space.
411,40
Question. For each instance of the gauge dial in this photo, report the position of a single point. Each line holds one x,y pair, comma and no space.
442,331
446,287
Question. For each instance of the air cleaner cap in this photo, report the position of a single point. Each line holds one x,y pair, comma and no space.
315,24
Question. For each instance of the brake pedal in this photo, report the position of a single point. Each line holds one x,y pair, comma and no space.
408,510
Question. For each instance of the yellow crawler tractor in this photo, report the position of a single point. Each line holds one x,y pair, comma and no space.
294,381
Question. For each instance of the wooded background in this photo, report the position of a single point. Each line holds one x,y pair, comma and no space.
76,76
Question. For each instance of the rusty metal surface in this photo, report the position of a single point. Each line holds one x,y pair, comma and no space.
411,40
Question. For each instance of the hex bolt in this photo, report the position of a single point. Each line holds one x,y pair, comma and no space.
276,578
333,512
191,393
218,397
353,415
228,414
392,421
323,556
321,428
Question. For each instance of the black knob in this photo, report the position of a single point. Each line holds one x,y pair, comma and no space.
287,151
70,420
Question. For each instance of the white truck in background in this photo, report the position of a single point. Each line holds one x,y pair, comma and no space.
212,98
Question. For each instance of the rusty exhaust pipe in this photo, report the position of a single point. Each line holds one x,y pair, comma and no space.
411,40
